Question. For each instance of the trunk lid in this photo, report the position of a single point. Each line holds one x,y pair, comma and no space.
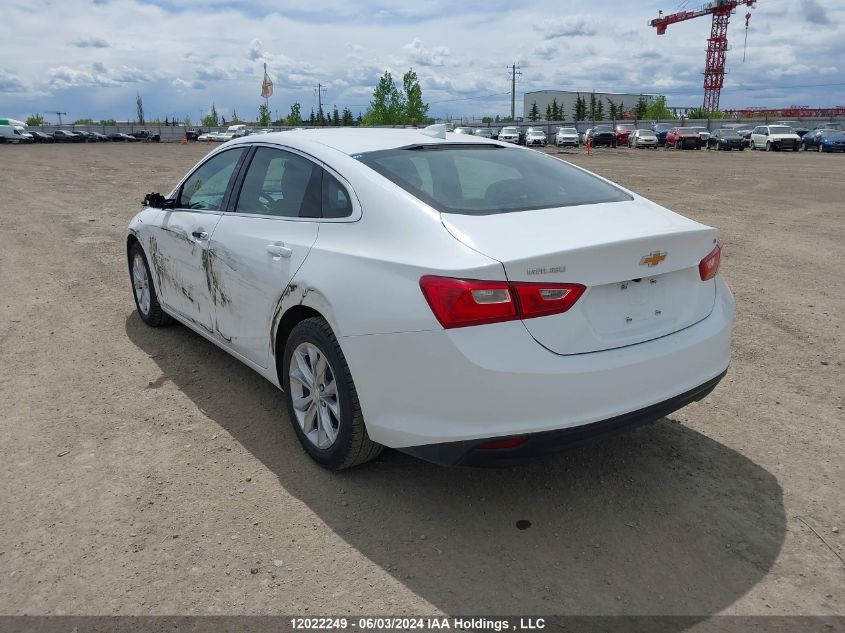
607,247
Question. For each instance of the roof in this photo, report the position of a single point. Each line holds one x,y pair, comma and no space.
358,140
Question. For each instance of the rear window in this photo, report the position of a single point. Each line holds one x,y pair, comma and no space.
483,180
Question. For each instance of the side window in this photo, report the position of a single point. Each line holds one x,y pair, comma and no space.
281,183
206,187
336,202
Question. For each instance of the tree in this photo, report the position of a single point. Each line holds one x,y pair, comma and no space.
294,119
335,117
599,109
35,119
108,122
557,114
187,121
580,108
222,120
641,108
264,115
210,119
593,107
388,104
701,113
549,112
166,122
139,108
657,110
312,120
534,112
416,111
84,122
346,118
614,110
235,118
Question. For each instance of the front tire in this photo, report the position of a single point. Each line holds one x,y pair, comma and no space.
322,400
143,289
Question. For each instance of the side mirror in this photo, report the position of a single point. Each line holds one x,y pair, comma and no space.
158,201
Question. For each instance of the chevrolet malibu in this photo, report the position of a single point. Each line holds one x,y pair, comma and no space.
462,300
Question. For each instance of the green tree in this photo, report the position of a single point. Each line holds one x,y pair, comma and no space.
187,121
294,119
108,122
549,112
264,115
312,120
235,118
621,110
35,119
534,112
388,104
701,113
346,118
335,117
657,110
557,111
613,110
593,107
210,119
641,108
580,108
139,108
166,122
599,110
84,122
416,111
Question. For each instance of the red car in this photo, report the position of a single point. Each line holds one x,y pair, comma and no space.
683,138
623,131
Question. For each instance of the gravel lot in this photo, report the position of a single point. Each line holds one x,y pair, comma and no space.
145,471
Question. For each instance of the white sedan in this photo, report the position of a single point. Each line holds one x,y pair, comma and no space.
456,298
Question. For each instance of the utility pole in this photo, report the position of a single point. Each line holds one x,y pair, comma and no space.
320,90
514,72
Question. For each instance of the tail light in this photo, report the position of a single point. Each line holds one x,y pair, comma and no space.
709,266
508,442
464,302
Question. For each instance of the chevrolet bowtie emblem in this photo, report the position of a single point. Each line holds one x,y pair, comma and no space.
652,259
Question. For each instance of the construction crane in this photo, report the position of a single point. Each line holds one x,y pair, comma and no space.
717,44
59,114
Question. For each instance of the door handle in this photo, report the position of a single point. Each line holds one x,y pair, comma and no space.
200,235
279,250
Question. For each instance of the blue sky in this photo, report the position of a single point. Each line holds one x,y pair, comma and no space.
90,58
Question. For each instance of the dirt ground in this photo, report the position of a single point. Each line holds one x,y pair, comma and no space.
145,471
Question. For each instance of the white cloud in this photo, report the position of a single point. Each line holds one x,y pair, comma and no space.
418,54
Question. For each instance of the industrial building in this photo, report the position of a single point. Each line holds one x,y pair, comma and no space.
566,99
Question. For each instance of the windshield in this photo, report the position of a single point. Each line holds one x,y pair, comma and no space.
830,132
645,132
662,127
489,179
780,129
568,130
687,130
509,130
602,129
728,133
625,126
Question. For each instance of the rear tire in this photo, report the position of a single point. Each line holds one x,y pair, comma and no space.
322,395
143,289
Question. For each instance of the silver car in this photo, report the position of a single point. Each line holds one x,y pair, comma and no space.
509,134
642,138
567,136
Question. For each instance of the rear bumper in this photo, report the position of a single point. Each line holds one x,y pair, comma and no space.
493,381
472,453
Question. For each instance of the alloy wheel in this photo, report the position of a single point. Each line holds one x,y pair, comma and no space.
314,395
141,284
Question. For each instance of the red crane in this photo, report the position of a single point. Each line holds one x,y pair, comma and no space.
717,44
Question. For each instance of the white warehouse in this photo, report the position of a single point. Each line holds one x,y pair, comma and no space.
566,99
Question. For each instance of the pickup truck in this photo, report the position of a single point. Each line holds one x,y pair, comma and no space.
146,135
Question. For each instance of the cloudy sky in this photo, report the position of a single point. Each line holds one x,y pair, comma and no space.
90,58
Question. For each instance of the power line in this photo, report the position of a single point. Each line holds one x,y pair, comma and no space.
514,72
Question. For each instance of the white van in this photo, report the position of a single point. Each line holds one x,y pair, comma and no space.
12,132
234,131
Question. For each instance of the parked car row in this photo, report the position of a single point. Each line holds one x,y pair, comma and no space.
20,134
